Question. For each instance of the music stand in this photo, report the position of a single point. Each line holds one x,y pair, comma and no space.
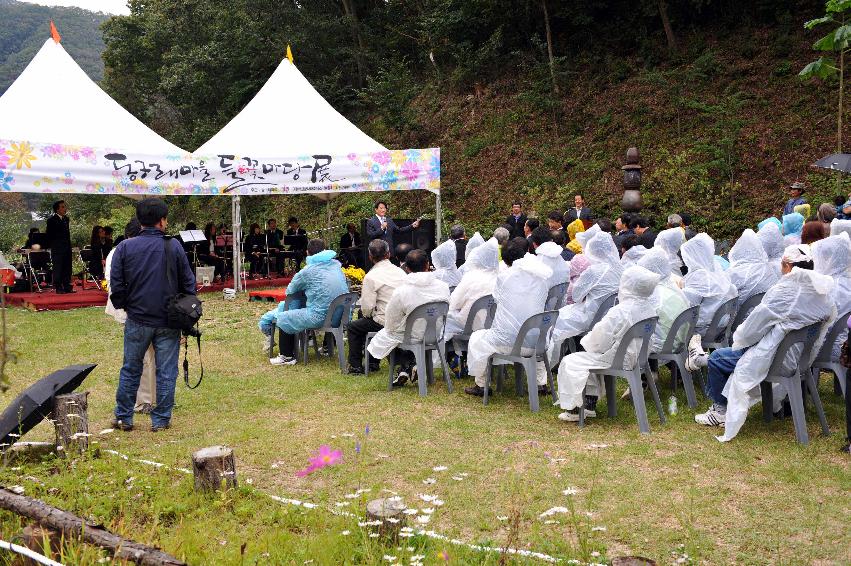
193,237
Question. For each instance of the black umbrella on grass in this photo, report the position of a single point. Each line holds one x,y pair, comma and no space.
36,402
835,162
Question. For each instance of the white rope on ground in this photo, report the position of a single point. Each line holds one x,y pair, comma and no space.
31,554
307,505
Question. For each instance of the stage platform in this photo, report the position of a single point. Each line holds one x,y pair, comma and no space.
50,301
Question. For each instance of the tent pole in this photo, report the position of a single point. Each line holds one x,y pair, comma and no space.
236,221
438,223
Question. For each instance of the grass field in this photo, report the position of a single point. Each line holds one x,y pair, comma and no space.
676,495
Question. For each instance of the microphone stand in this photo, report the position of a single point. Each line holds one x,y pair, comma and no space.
266,233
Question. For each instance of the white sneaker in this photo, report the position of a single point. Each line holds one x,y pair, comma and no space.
267,342
282,361
715,416
697,358
569,416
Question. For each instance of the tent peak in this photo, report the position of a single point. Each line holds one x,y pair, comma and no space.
289,54
54,33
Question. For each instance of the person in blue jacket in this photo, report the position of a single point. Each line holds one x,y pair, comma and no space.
310,293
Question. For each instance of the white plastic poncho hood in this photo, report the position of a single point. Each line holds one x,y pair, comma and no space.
832,256
474,242
443,259
478,281
632,255
584,237
773,244
705,284
484,257
749,269
670,241
799,299
669,298
549,253
837,226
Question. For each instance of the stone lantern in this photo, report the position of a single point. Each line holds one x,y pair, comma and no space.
631,201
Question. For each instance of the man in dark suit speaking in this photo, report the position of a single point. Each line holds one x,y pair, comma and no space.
382,227
578,212
516,220
59,240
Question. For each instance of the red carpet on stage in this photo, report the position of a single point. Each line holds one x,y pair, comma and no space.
50,301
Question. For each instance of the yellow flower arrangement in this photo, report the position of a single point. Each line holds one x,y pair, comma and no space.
354,274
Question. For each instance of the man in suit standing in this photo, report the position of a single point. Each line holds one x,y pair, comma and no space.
516,220
383,228
458,235
578,212
59,240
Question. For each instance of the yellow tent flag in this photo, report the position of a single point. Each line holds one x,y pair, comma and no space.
289,53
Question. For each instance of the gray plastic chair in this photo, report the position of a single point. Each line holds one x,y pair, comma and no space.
675,351
541,323
823,358
462,340
369,337
743,312
792,383
641,330
346,301
432,314
556,297
573,342
718,334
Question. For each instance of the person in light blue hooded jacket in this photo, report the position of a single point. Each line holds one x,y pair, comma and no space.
310,294
793,224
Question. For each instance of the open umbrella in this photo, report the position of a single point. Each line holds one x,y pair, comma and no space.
835,162
36,402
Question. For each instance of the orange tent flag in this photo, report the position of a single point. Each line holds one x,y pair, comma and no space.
289,53
54,33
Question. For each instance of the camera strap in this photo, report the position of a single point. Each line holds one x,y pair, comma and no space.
186,361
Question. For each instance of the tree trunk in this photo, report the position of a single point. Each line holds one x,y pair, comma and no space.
70,418
213,466
390,512
841,97
349,10
72,526
666,23
550,46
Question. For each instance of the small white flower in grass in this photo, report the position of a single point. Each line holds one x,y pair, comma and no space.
595,554
418,557
440,468
406,535
438,502
274,466
429,481
411,511
589,514
570,491
596,446
346,533
423,519
427,498
552,511
411,549
342,504
351,496
392,520
502,518
457,478
383,455
373,535
223,542
249,481
308,561
599,529
551,522
308,505
389,558
394,499
369,523
574,561
406,530
428,510
365,490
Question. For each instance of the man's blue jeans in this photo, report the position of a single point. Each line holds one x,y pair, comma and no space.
721,364
137,338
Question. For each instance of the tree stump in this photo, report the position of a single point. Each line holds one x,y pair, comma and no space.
71,420
390,513
632,561
212,467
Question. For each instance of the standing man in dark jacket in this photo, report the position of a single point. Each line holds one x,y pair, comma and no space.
516,220
59,239
458,235
380,227
578,212
139,283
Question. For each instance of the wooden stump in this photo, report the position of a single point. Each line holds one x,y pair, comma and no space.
632,561
390,513
71,420
212,467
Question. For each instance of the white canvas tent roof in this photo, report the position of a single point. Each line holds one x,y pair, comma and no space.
287,117
54,101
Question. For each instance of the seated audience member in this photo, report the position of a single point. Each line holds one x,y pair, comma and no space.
622,230
688,231
378,287
635,302
670,241
458,235
350,242
633,253
749,270
578,265
207,252
832,256
839,226
443,260
478,281
573,230
801,297
675,221
474,242
706,285
804,210
255,250
502,235
530,226
560,239
669,298
98,255
311,292
554,221
549,253
419,287
772,242
840,204
605,225
596,283
826,213
400,253
793,224
108,243
520,292
538,236
813,231
296,230
628,243
646,234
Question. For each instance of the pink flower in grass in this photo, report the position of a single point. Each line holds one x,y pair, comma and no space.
323,457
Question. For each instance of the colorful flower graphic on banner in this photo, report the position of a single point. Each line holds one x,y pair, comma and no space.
4,158
21,155
6,180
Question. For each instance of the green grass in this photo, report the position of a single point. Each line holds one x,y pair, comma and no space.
759,499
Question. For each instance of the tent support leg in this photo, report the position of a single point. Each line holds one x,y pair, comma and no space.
236,220
438,222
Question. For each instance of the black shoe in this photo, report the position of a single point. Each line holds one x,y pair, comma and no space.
60,291
121,425
157,428
356,370
544,390
374,367
476,391
401,379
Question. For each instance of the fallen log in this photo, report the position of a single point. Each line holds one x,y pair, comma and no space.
72,526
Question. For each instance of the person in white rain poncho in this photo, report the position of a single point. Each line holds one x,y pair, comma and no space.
801,297
772,242
669,299
478,281
832,256
707,285
473,243
631,256
670,241
749,269
595,284
420,287
837,226
443,259
635,303
549,253
520,292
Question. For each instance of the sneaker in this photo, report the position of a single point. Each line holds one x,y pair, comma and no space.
571,416
590,406
356,370
401,379
715,416
121,425
157,428
268,342
544,390
324,352
697,358
283,361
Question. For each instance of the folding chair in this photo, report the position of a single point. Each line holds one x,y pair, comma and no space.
87,256
675,351
346,302
607,303
556,297
823,359
429,314
485,303
792,383
743,312
718,333
643,331
541,323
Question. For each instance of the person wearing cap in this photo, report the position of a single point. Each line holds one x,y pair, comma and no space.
796,197
801,297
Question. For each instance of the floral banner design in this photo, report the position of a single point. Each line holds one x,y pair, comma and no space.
29,167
